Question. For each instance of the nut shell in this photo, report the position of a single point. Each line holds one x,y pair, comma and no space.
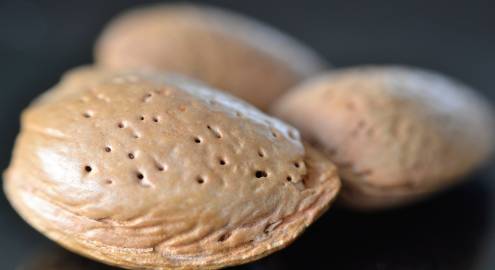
226,50
396,133
155,172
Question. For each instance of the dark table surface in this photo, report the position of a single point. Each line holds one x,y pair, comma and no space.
454,230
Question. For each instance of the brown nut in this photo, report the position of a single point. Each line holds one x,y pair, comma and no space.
396,133
229,51
147,171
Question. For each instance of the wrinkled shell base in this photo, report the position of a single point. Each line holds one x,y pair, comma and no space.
397,134
155,172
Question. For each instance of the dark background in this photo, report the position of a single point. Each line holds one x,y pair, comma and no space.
39,40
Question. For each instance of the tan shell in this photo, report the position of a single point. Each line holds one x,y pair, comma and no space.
224,49
78,79
396,133
154,172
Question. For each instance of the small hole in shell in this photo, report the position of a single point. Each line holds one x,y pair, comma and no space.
88,168
108,182
222,162
260,174
200,180
261,153
160,167
108,149
156,119
147,97
224,237
297,165
140,176
289,178
215,132
197,140
131,155
121,125
87,114
141,118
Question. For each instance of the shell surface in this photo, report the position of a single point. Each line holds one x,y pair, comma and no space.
226,50
397,134
149,171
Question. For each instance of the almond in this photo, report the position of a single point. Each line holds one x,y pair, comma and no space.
397,134
148,171
227,50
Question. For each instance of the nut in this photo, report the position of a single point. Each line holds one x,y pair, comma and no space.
397,134
152,171
226,50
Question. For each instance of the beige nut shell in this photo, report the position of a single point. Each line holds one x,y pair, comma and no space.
226,50
149,171
396,133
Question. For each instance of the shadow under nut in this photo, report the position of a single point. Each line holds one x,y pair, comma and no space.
396,133
152,171
226,50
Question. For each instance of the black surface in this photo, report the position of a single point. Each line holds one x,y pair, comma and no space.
454,230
